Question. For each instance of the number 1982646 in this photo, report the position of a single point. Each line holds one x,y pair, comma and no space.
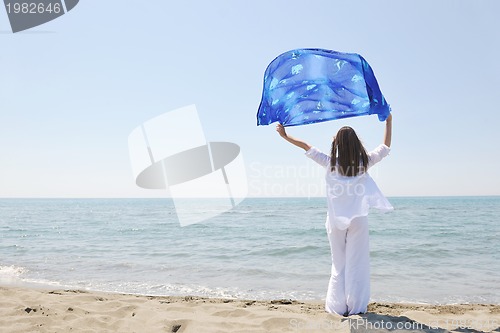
33,8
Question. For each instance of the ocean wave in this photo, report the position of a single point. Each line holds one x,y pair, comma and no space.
286,251
11,273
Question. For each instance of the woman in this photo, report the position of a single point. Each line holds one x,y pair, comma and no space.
350,193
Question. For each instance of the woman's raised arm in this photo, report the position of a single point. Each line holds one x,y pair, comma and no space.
297,142
388,131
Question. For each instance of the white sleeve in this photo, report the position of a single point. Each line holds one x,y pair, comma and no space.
317,156
378,154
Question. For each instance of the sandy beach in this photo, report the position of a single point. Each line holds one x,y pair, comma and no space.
39,310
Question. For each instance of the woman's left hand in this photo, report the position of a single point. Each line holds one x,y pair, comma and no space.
281,130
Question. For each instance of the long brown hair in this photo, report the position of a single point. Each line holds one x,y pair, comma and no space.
349,153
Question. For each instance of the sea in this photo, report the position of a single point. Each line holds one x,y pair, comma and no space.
432,250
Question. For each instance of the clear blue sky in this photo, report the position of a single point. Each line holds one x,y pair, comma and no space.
72,90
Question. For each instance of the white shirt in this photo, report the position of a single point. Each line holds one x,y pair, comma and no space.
351,197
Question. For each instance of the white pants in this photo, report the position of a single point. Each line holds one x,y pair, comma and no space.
349,286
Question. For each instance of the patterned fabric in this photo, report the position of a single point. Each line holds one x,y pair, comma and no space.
308,86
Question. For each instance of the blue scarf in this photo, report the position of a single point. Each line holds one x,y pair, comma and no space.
308,86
